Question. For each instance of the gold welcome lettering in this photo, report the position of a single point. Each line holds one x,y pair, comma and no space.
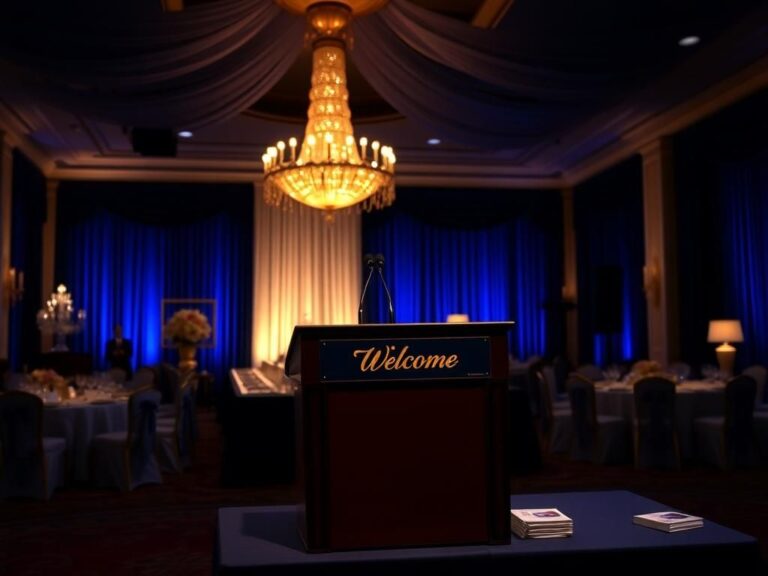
388,358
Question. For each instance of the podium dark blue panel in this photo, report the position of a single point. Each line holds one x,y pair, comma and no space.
265,541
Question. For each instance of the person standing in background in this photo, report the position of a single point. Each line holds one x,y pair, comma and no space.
119,351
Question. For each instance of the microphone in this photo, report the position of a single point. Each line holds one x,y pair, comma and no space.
370,261
379,266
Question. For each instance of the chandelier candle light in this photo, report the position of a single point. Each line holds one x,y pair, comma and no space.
56,318
330,170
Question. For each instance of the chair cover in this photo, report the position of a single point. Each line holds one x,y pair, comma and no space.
595,437
729,441
30,465
128,459
176,434
760,374
655,427
555,418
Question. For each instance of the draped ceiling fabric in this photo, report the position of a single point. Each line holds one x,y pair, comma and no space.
131,64
134,65
306,271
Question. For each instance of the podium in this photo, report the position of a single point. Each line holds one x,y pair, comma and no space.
402,434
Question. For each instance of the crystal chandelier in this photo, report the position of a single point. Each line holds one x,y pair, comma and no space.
330,170
55,317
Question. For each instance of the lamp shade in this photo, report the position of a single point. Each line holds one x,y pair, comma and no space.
725,331
457,318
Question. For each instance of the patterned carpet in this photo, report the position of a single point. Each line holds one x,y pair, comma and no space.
169,529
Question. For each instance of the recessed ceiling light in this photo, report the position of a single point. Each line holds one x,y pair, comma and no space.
184,134
689,41
433,141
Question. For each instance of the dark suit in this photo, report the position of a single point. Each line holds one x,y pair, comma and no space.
119,355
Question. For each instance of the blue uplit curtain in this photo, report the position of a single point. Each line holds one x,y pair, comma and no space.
721,178
492,255
743,206
610,257
123,248
28,214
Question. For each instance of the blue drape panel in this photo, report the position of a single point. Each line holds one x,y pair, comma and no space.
609,236
743,204
123,248
28,215
485,256
721,178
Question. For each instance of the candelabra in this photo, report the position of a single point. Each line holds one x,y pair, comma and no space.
56,317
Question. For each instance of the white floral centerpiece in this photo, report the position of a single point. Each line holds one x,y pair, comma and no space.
645,368
50,381
187,327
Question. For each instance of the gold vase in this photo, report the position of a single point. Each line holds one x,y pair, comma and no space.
187,360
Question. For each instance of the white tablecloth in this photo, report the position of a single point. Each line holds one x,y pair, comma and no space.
78,422
694,398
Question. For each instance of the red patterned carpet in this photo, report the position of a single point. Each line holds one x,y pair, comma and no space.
169,529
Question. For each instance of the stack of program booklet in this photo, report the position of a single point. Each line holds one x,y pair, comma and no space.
541,523
668,521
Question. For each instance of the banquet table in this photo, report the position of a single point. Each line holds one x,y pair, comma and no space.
694,399
78,421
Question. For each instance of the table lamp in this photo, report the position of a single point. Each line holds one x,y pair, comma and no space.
457,318
725,331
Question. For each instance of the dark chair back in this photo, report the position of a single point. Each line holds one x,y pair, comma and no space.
22,459
739,435
760,374
142,424
656,442
581,393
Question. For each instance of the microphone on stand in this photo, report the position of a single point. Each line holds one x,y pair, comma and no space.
370,261
379,258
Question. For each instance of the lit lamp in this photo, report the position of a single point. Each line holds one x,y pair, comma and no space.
457,318
725,331
329,170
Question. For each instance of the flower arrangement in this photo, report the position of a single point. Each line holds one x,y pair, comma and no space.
188,327
644,368
48,379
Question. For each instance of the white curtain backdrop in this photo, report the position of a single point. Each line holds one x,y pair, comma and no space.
306,271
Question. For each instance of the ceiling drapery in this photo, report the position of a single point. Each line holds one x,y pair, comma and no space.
134,65
509,87
138,66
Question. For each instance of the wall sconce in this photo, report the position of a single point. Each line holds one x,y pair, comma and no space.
14,285
652,283
725,332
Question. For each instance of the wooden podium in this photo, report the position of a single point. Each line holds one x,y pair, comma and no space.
401,434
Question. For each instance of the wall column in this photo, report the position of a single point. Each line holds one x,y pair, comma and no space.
6,206
49,251
660,270
570,279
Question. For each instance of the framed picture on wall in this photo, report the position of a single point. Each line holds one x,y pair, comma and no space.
189,319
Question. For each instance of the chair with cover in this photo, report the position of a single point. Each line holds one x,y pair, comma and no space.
31,465
176,434
729,441
655,429
128,459
595,437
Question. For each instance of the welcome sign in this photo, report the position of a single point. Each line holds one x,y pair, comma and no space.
404,359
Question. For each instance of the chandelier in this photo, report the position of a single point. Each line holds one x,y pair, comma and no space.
330,170
55,317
